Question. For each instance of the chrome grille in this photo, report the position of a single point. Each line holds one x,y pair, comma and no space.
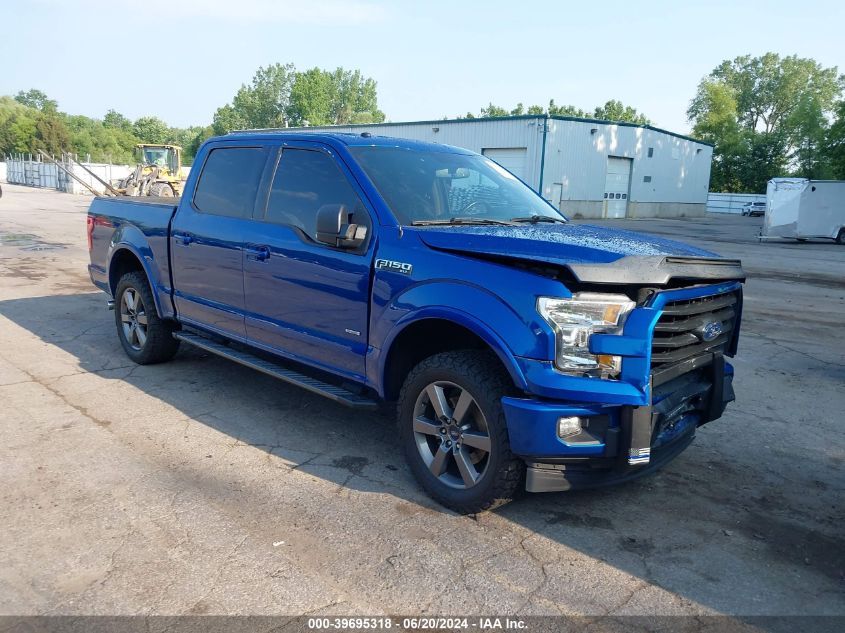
679,334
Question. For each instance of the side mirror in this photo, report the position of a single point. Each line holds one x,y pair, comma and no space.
334,227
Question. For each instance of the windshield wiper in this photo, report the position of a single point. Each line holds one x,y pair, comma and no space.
534,219
477,221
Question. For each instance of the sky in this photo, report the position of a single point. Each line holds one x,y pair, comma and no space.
182,59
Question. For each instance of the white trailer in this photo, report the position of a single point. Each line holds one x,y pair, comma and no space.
801,209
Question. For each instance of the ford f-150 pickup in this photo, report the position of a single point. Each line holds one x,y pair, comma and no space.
520,350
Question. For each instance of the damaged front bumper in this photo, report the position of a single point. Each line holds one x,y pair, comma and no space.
617,443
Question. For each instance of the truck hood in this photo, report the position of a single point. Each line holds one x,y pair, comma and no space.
554,243
592,253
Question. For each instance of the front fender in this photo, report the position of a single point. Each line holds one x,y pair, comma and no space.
467,305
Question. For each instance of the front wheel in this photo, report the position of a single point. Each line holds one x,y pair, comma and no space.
452,427
840,239
145,337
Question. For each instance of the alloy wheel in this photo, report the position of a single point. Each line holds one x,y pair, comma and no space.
451,434
133,317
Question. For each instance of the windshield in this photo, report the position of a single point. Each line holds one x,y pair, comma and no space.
441,187
159,156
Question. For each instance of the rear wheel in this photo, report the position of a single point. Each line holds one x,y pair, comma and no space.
453,431
145,337
161,190
840,239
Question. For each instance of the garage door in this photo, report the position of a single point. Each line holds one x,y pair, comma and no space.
616,187
511,158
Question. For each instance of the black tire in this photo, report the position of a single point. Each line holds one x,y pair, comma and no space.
146,343
480,374
161,190
840,239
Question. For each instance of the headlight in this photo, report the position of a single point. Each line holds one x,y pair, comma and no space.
575,320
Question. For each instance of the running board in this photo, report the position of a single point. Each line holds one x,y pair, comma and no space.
332,392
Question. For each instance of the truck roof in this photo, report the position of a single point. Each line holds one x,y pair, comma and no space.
363,139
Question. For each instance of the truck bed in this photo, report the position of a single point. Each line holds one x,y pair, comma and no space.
139,225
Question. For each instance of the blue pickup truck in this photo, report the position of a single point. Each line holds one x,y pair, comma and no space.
520,350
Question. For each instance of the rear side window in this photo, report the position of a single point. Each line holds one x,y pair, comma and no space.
306,180
229,181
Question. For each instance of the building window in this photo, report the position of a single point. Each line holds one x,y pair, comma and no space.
650,152
646,178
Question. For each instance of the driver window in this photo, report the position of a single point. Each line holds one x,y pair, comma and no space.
305,180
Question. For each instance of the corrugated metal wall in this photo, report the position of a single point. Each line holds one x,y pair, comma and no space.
575,166
472,135
576,159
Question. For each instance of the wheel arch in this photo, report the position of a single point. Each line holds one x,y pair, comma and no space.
433,331
125,259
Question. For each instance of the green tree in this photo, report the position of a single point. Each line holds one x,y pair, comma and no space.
615,110
564,110
834,146
494,111
779,118
357,98
37,100
116,120
17,127
279,96
314,98
92,139
769,89
612,110
227,119
808,128
150,129
762,158
262,104
189,139
51,134
714,109
23,129
198,139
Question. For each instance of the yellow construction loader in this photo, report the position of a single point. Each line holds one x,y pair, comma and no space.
158,173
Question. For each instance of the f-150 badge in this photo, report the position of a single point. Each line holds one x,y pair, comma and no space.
395,267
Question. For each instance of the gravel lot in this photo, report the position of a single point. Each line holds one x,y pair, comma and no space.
200,486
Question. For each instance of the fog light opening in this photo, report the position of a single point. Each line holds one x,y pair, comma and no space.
569,426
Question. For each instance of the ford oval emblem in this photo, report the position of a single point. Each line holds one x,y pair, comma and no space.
711,330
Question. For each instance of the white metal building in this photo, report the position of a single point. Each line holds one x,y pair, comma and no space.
586,167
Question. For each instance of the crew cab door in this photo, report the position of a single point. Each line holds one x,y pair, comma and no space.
304,299
206,242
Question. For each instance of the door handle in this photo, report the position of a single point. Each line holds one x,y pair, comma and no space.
258,253
183,238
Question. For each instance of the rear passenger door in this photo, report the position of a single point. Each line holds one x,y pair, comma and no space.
304,299
207,239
